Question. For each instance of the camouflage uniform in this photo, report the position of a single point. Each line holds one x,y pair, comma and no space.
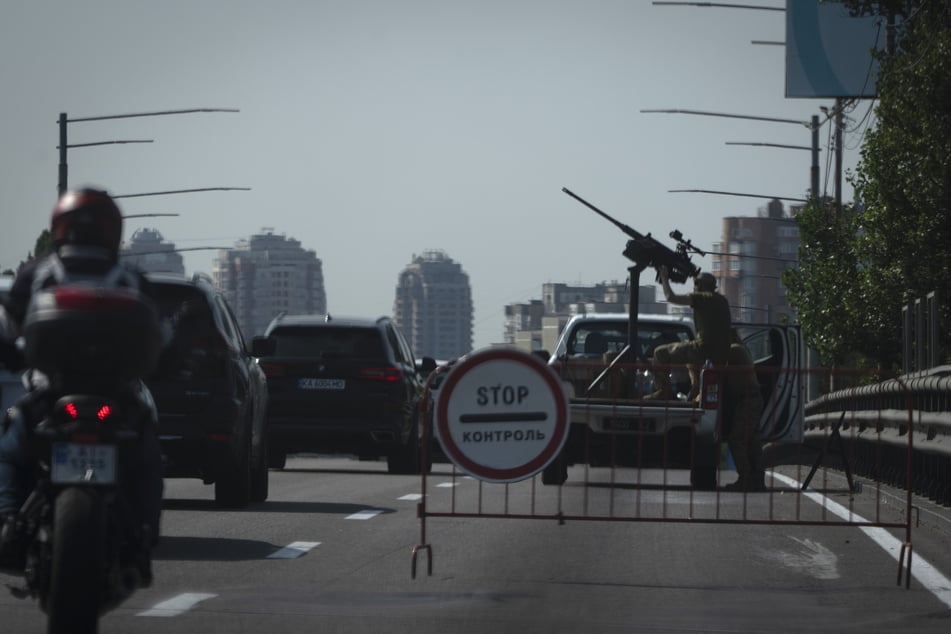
711,314
742,410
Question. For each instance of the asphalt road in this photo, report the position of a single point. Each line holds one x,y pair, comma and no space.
331,551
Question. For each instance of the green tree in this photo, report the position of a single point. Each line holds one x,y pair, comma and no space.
44,244
825,288
858,269
904,181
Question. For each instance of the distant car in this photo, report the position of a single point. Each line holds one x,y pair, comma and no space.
11,383
210,393
342,386
433,379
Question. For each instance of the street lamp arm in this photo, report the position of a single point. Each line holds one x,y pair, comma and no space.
712,191
63,121
118,142
151,114
136,253
185,191
732,116
788,147
719,4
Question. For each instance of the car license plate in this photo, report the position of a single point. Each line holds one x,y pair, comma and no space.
321,384
642,425
83,463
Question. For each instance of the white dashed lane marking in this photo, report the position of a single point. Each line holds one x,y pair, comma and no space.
411,497
177,605
364,515
293,550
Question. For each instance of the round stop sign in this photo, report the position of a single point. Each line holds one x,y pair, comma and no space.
502,415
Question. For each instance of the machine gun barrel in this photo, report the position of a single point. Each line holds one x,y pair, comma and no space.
646,251
620,225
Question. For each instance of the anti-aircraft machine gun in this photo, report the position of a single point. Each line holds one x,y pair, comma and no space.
645,251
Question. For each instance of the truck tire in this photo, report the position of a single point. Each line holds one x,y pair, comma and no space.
703,470
556,472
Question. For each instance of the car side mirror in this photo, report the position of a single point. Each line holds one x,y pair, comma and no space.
426,366
263,346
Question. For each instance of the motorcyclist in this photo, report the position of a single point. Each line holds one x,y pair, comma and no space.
86,228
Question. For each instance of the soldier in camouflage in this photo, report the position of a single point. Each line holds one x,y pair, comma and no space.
742,409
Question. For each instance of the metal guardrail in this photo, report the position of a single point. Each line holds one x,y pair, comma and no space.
905,422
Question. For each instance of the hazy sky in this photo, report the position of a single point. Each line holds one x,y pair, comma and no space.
373,130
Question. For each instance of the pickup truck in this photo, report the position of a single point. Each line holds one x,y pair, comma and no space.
612,424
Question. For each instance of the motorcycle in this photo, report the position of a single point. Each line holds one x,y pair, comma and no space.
88,347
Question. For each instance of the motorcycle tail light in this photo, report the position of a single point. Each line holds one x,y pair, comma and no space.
102,411
92,299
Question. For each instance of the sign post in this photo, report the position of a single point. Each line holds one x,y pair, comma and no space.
502,415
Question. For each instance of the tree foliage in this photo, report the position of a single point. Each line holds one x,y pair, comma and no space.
904,177
898,247
44,244
827,269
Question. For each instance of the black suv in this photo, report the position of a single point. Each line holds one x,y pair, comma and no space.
342,385
210,393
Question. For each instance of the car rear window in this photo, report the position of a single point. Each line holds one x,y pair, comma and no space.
597,338
327,341
171,297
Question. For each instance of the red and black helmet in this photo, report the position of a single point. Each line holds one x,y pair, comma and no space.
88,217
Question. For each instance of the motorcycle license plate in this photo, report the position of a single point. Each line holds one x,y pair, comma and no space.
81,463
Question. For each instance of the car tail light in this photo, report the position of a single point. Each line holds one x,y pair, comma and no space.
210,354
273,370
388,373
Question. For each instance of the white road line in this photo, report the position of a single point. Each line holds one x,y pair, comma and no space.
293,550
411,497
447,485
364,515
177,605
927,575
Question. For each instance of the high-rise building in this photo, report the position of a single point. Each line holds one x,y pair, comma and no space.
750,260
433,306
538,324
148,251
268,275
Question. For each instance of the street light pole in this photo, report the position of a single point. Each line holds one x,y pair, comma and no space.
62,180
813,125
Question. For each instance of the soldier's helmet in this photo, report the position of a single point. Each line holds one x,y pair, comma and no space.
705,282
